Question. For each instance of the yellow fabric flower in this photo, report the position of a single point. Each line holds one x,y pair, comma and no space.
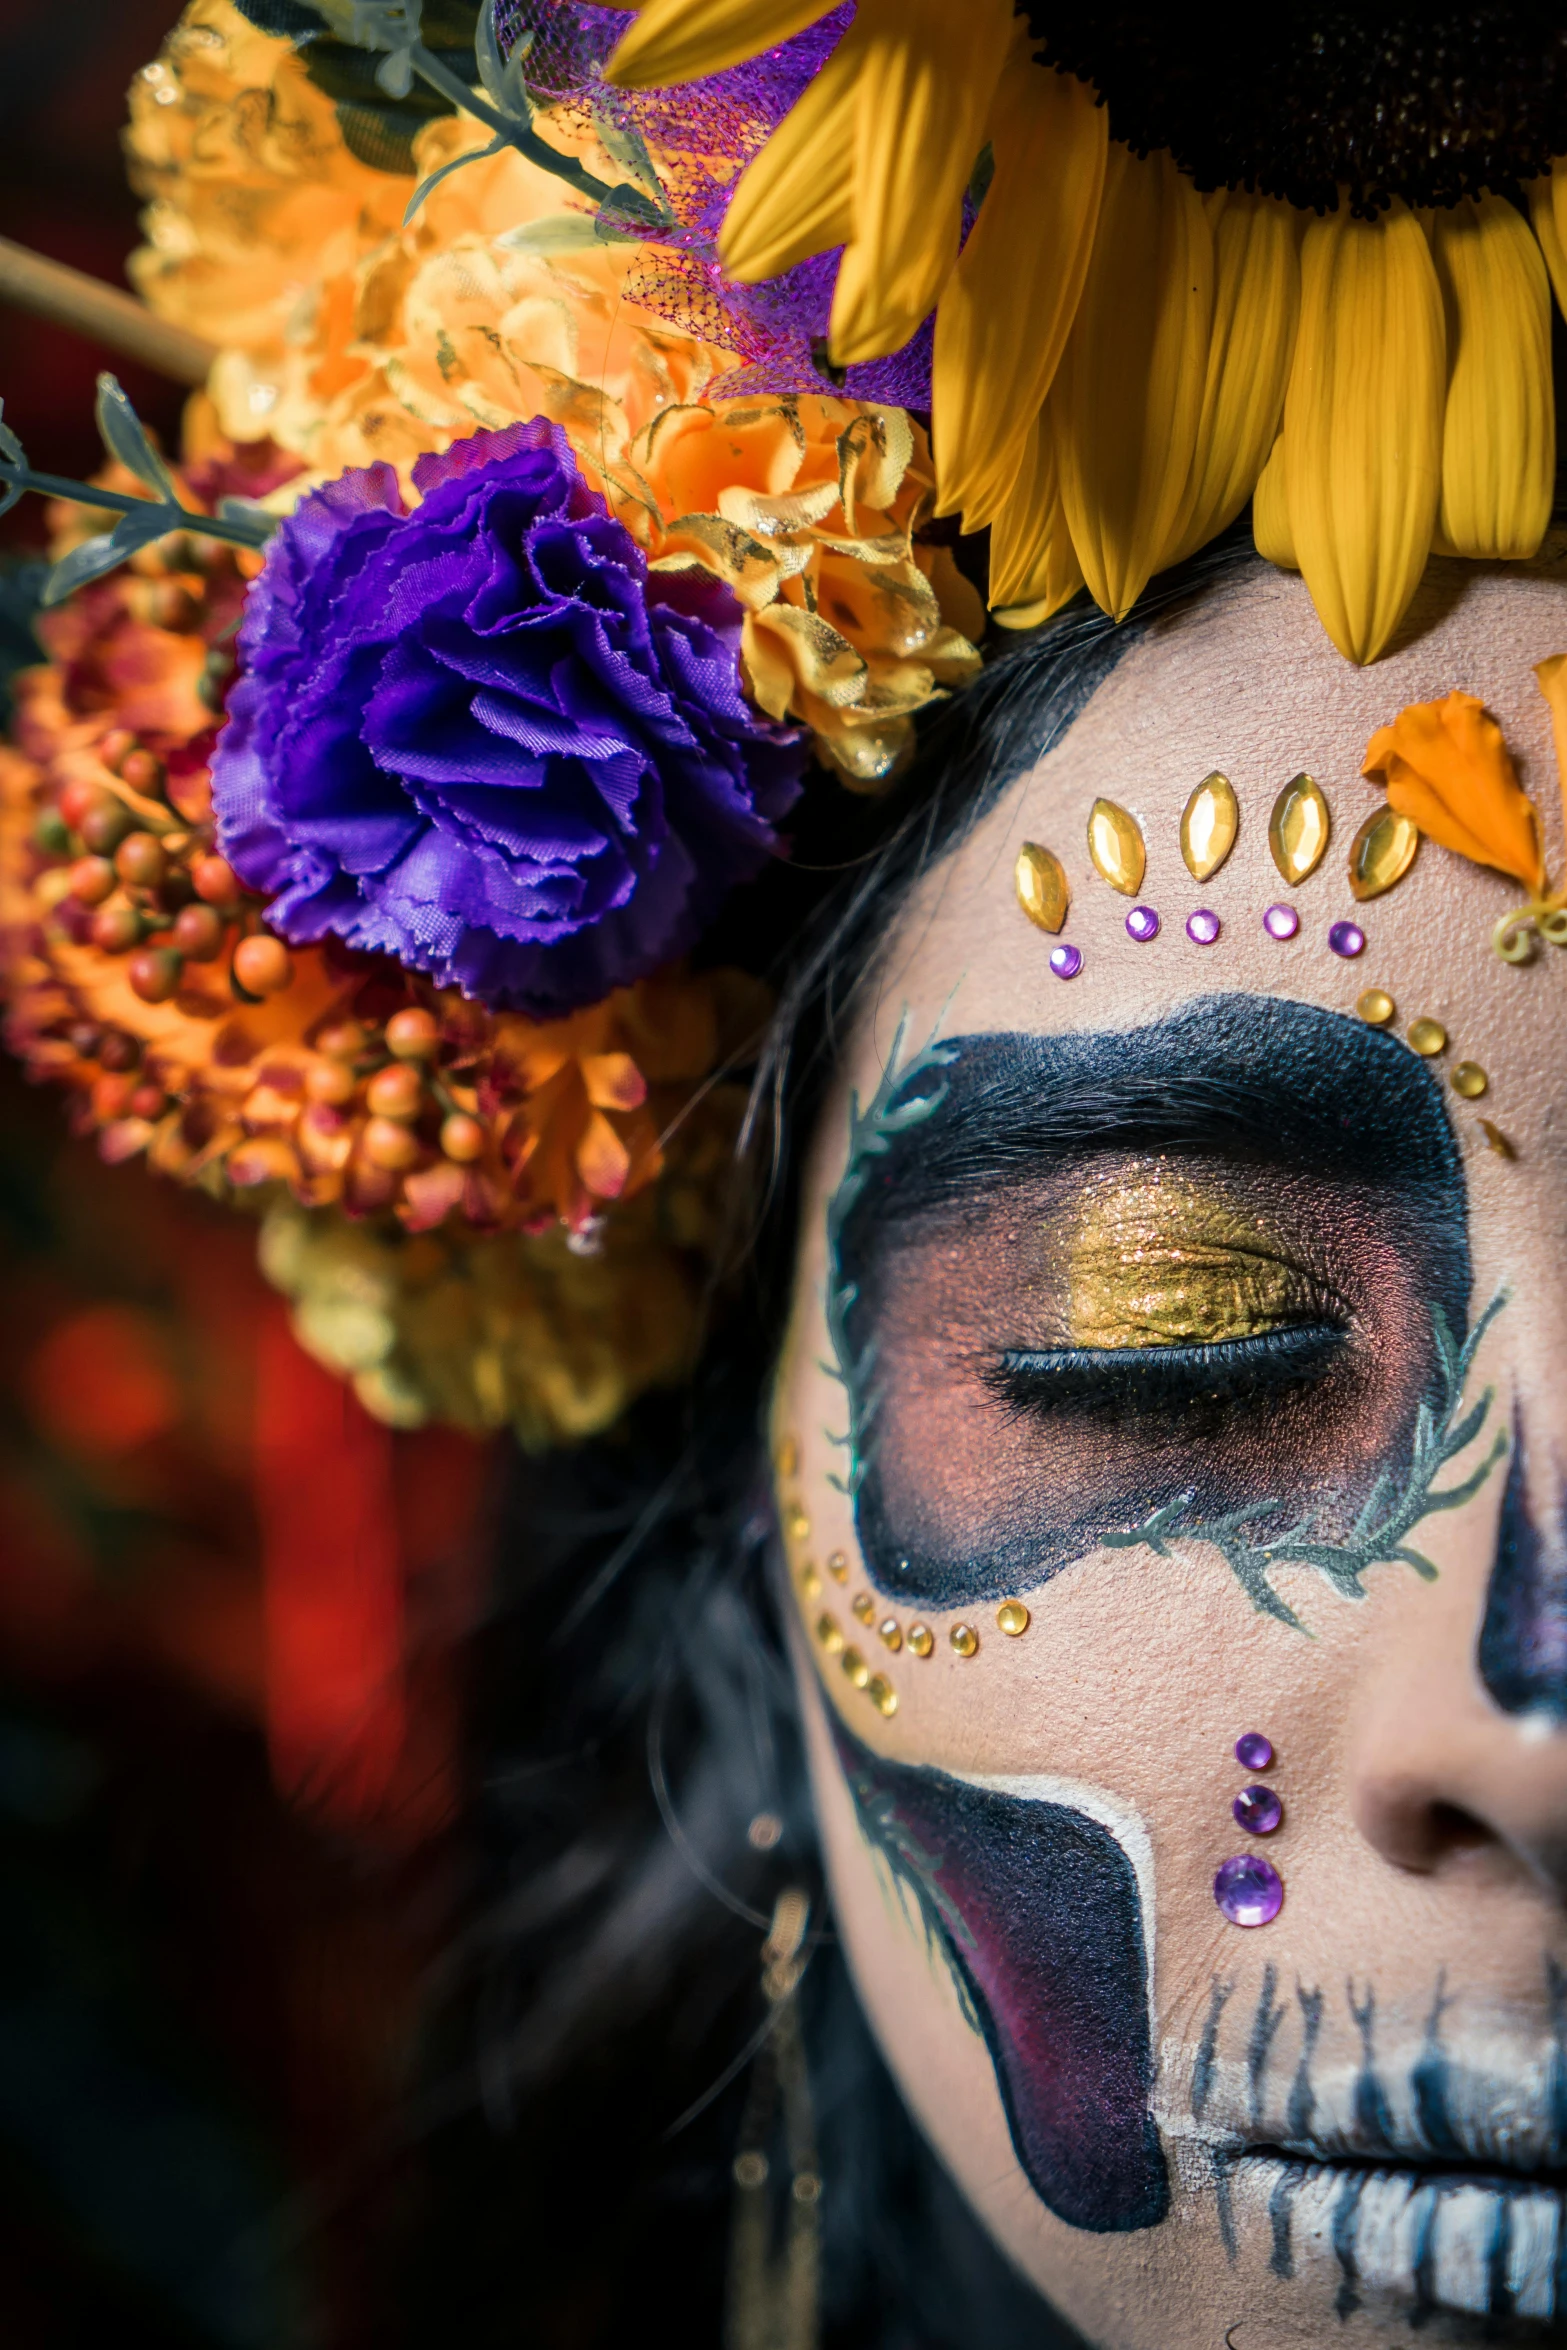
509,1331
1446,766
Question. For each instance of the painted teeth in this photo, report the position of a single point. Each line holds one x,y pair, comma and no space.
1452,2244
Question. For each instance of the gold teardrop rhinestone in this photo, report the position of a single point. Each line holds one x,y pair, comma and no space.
1042,889
1381,853
1211,820
1116,846
1298,829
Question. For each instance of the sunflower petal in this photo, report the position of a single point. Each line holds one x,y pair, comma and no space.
1032,560
1499,430
1008,306
1256,301
925,93
1270,514
1548,213
1128,398
679,40
1363,422
1551,678
796,197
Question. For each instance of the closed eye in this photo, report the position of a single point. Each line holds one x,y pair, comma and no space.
1166,1379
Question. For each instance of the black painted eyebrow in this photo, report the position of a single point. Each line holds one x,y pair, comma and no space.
1285,1083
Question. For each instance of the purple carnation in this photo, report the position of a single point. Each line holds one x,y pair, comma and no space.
483,738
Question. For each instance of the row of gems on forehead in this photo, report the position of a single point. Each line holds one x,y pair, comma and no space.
1300,827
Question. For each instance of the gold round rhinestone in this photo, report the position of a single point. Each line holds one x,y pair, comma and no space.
810,1581
922,1640
828,1634
1470,1080
1428,1037
854,1665
863,1606
789,1457
838,1567
1376,1007
1012,1617
882,1694
964,1639
799,1524
891,1631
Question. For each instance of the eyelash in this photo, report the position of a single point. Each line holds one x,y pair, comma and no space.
1167,1378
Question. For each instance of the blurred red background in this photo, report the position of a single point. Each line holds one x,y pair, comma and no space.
231,1608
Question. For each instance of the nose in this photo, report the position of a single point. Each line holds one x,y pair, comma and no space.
1459,1752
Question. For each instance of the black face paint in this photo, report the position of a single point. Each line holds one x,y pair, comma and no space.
1036,1910
1522,1652
985,1454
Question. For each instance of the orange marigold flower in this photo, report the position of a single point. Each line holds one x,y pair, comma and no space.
1446,766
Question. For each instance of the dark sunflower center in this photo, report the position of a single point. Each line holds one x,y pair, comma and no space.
1426,103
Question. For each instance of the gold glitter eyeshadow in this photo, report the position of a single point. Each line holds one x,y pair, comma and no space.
1156,1261
863,1606
1012,1617
1381,853
922,1640
1116,847
892,1632
1209,825
964,1639
838,1567
1427,1037
1470,1080
1041,883
828,1634
854,1665
882,1694
1376,1007
1299,828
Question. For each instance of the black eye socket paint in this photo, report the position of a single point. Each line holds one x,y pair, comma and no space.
1036,1909
1522,1652
989,1446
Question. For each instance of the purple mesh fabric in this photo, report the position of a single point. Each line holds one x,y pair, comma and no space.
776,328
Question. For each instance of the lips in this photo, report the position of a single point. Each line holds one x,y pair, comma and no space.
1487,2244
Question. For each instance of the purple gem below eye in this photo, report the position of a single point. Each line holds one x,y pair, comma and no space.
1252,1751
1347,939
1142,923
1258,1809
1281,921
1066,962
1202,928
1249,1890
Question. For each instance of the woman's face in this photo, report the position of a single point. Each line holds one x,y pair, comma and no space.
1195,1345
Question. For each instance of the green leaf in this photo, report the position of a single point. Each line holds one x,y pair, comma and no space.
475,155
105,553
560,232
10,447
261,518
125,437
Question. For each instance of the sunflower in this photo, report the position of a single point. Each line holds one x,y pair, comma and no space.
1122,360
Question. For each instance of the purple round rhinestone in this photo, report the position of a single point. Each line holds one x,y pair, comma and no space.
1249,1890
1281,921
1202,928
1258,1809
1252,1751
1066,961
1347,939
1142,923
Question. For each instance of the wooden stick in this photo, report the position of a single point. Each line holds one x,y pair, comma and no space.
68,297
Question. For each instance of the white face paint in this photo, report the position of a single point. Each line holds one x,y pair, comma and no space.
1359,2109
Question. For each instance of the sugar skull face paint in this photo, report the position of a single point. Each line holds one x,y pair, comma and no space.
1182,1357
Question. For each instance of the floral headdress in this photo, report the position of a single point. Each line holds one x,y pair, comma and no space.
596,403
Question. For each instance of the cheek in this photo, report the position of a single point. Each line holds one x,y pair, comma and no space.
1034,1908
